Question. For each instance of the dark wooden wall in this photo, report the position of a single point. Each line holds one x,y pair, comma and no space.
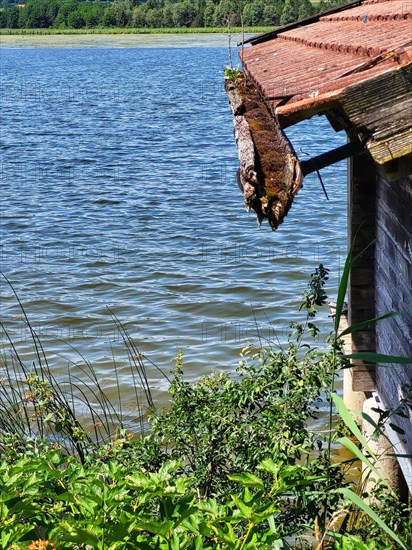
362,181
393,288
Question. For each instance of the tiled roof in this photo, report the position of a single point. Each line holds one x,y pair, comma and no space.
352,64
300,71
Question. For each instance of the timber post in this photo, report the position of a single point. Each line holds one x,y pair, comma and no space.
360,380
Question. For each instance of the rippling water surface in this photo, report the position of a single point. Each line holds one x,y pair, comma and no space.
119,196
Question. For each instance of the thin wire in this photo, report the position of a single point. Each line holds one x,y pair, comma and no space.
318,173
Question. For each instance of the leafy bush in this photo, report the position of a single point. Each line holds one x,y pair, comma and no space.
221,425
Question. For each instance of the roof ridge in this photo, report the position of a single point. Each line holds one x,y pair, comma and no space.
264,37
336,46
366,2
370,17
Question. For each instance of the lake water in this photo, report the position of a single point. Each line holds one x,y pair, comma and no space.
119,196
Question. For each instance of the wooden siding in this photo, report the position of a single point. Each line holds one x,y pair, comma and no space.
382,107
361,229
393,290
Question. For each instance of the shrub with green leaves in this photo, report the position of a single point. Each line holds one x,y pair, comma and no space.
222,424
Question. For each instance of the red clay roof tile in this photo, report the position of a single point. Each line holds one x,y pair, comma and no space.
324,57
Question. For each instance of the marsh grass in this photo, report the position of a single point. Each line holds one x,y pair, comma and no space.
72,410
127,30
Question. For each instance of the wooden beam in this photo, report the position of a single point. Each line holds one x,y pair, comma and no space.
292,113
382,107
362,230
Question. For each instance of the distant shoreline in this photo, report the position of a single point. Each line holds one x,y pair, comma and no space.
124,30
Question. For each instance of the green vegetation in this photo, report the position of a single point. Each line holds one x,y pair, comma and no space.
155,14
127,30
231,463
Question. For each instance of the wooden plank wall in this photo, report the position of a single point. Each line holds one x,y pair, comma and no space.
362,179
383,106
393,290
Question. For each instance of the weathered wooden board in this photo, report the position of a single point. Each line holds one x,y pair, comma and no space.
394,259
385,148
382,107
393,337
362,192
269,174
396,200
390,380
394,292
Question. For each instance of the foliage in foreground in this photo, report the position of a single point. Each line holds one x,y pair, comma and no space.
110,506
231,464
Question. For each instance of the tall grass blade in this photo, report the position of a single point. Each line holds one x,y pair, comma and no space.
366,324
372,357
347,418
135,358
360,455
33,403
343,285
108,410
357,501
119,396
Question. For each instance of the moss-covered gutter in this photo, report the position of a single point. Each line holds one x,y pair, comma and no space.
269,175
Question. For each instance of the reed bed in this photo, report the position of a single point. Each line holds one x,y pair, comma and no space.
72,410
126,30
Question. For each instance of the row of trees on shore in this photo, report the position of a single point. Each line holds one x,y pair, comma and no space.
79,14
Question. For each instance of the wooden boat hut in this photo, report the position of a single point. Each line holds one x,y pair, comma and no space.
353,65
